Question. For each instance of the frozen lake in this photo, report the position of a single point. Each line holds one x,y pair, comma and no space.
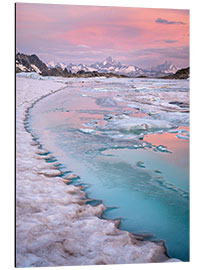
128,141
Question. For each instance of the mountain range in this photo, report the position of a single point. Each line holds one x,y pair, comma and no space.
110,65
32,63
109,68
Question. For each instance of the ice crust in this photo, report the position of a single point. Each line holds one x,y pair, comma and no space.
159,102
136,124
54,226
177,118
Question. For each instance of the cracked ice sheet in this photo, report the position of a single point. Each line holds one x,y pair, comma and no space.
156,101
53,226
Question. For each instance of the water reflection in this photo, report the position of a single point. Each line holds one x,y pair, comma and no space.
146,183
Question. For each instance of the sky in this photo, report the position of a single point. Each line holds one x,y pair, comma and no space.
143,37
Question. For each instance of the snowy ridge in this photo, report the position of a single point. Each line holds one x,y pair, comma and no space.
54,65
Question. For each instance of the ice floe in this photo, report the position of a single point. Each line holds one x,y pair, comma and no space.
87,130
182,136
176,118
106,102
136,125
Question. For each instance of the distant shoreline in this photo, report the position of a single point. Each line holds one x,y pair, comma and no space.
181,75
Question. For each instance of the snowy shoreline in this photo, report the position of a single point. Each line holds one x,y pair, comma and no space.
54,225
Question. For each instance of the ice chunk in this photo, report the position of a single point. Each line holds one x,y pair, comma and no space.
108,116
140,164
183,132
87,130
127,112
182,136
136,124
92,124
173,131
162,148
106,102
84,95
176,118
157,171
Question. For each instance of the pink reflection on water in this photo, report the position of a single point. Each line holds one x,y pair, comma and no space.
179,147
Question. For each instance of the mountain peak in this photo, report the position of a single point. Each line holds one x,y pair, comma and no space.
29,63
166,67
108,62
167,62
51,64
109,59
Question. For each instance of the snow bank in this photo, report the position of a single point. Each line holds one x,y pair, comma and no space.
54,226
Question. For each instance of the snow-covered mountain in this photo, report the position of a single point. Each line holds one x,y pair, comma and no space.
167,67
107,66
28,63
32,63
110,65
52,64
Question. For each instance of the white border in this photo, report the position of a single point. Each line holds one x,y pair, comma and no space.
7,130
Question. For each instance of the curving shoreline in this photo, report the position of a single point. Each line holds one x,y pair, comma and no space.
54,225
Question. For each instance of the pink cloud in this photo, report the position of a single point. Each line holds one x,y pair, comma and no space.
129,29
99,28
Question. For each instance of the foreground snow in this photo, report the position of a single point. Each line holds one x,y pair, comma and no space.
54,226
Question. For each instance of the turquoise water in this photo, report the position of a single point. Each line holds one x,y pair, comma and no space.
143,184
